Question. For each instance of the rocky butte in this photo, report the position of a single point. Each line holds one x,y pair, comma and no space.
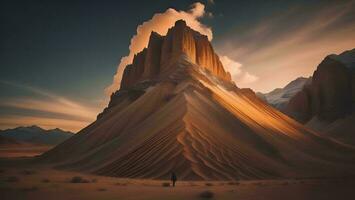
156,60
178,110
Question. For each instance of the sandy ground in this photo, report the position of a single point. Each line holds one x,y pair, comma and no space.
19,179
22,150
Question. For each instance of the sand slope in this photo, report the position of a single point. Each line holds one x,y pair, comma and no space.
202,128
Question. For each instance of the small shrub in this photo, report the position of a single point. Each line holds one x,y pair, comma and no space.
30,189
28,172
165,184
45,180
78,179
102,189
206,194
208,184
233,183
12,179
121,184
284,183
259,183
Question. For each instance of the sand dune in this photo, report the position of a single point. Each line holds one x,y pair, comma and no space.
202,128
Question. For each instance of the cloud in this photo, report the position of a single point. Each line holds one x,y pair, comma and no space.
240,77
247,78
159,23
284,46
52,106
60,111
211,2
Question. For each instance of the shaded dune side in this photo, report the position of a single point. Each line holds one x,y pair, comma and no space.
116,123
198,155
202,129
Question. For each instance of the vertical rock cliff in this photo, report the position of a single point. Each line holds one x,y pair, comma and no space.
328,97
163,51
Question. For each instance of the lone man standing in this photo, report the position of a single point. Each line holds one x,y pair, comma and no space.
173,178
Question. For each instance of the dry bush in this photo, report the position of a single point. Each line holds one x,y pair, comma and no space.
285,183
233,183
193,184
30,189
166,184
121,184
28,172
12,179
206,194
45,180
208,184
78,179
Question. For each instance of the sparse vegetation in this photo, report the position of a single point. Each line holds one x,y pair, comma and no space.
30,189
193,184
165,184
78,179
285,183
206,194
12,179
233,183
45,180
28,172
121,184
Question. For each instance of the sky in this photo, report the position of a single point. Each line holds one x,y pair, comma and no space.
58,59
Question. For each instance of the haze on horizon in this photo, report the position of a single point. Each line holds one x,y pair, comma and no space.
57,59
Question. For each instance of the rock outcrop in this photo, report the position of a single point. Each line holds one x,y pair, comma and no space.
330,96
163,51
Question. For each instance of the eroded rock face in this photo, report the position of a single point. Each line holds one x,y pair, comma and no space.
329,96
152,59
162,51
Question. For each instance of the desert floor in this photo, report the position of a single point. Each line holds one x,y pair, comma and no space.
19,179
23,150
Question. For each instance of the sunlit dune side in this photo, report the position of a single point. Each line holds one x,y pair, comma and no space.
203,129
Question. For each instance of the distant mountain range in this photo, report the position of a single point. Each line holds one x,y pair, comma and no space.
35,134
280,97
8,141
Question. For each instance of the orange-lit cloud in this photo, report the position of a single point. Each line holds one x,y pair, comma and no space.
289,45
241,78
159,23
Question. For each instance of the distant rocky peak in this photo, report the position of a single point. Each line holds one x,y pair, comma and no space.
347,58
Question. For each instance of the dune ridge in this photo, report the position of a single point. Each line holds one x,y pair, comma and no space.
202,128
